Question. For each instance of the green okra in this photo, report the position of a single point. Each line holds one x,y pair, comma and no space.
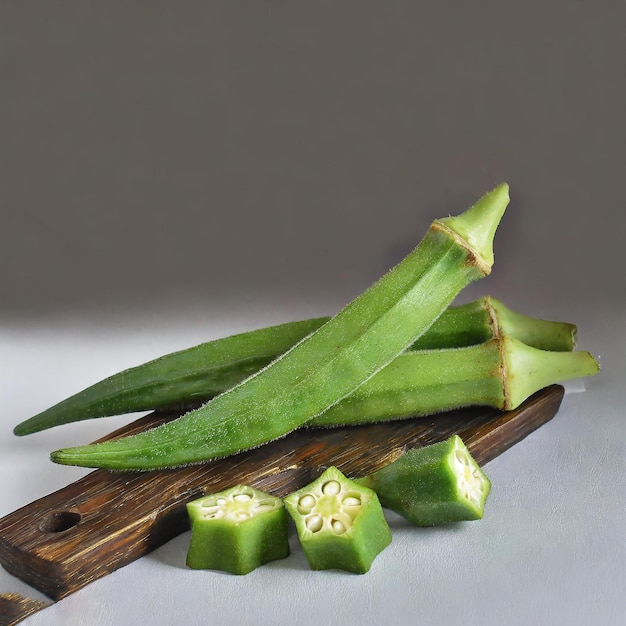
436,484
501,373
237,530
328,364
487,318
190,377
340,524
181,379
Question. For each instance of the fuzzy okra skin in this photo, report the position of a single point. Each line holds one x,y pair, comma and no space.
501,373
328,364
237,530
536,333
486,318
195,375
340,524
436,484
183,378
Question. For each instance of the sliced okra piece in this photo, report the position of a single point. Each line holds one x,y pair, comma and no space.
340,524
435,484
237,530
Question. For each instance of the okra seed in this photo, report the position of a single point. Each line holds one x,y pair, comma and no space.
264,505
471,483
315,523
307,501
338,527
461,458
263,508
306,504
271,503
331,488
352,500
236,507
207,510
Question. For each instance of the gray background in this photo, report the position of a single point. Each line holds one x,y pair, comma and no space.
174,154
173,172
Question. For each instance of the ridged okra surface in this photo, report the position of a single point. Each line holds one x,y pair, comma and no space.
328,364
340,524
237,530
436,484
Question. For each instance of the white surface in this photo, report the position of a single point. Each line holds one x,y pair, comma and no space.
173,172
551,548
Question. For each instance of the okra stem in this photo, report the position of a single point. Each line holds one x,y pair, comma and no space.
328,364
190,377
500,373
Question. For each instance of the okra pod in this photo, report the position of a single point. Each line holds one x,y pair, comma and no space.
501,373
340,524
436,484
190,377
328,364
237,530
184,378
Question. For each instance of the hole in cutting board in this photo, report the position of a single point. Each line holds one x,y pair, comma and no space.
60,521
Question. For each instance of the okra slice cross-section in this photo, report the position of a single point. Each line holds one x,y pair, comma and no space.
435,484
237,530
340,524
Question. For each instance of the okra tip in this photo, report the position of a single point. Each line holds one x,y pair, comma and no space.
478,224
90,456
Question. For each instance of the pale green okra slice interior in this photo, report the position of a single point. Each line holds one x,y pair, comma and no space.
331,507
237,530
340,524
237,506
472,484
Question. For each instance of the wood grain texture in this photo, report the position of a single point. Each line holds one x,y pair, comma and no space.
106,520
14,608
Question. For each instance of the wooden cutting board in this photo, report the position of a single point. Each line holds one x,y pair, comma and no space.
105,520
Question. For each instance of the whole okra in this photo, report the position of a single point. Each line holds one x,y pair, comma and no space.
330,363
500,373
190,377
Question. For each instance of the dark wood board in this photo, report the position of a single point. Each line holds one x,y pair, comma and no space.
14,608
63,541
